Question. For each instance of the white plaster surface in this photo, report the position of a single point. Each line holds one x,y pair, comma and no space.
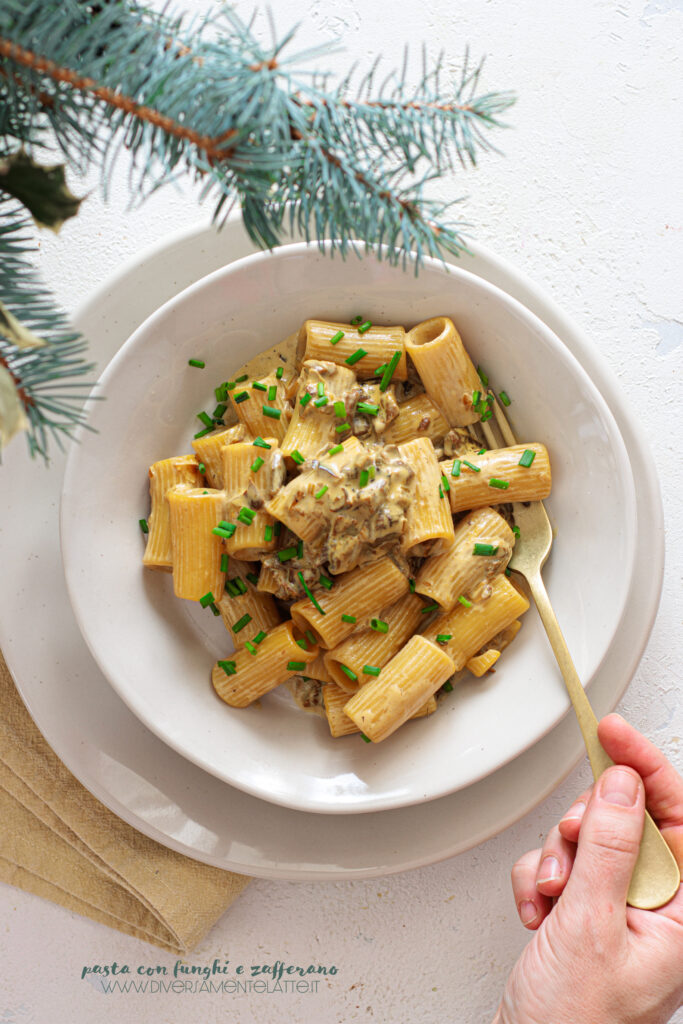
588,202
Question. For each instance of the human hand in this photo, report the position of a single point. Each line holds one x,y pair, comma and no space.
593,959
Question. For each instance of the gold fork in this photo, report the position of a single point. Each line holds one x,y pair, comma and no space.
656,876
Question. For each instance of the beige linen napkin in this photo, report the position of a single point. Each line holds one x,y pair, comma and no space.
58,841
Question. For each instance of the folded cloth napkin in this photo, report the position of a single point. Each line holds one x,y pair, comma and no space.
58,841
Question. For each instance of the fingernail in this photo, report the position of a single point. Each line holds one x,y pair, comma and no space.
575,812
619,787
527,911
549,870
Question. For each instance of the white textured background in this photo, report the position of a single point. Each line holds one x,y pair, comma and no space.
588,202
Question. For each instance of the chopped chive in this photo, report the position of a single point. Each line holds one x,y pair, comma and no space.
366,739
272,392
341,427
274,414
207,599
336,449
246,515
348,671
297,457
389,372
339,409
363,328
348,618
202,468
507,573
250,647
379,625
205,492
260,637
224,562
268,534
363,477
231,588
527,458
309,593
482,377
371,670
336,337
325,582
380,370
258,442
295,666
143,525
229,385
258,386
355,357
256,464
305,399
411,586
371,471
229,667
321,389
482,451
286,553
311,636
429,608
318,494
516,530
252,577
357,320
238,380
455,470
240,584
476,395
241,397
369,408
219,411
484,549
464,601
225,531
214,609
502,485
277,528
320,402
504,397
486,415
221,392
443,638
447,686
241,623
300,549
444,482
302,643
199,363
440,491
205,418
279,373
475,469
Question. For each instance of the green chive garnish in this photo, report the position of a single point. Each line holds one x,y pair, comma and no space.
205,418
260,637
476,395
241,623
250,647
348,671
143,525
411,586
380,370
214,609
219,411
274,414
231,588
224,563
321,388
258,386
240,584
444,482
365,738
355,357
318,494
221,392
229,385
268,534
516,530
440,491
369,408
429,608
252,577
296,666
300,549
238,380
482,451
286,554
224,529
379,625
482,377
320,402
311,636
341,427
258,442
475,469
527,458
504,397
357,320
297,457
484,549
302,643
486,415
464,602
389,372
272,392
447,687
309,594
336,337
305,399
443,638
339,409
455,470
229,667
348,618
502,485
256,464
371,670
336,449
507,572
206,600
202,468
199,363
325,582
246,515
363,478
371,471
241,397
279,373
278,528
364,327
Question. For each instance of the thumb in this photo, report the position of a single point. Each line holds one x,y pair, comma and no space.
609,840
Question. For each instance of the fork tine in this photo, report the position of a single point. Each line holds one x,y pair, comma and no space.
501,420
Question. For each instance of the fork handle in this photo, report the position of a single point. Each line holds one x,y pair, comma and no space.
656,876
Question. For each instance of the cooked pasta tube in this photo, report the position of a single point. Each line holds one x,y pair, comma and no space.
519,473
249,469
418,417
251,540
209,450
445,368
251,411
404,685
242,603
339,722
371,648
243,677
313,427
268,580
378,343
194,512
428,518
357,594
468,629
166,473
482,663
458,572
318,670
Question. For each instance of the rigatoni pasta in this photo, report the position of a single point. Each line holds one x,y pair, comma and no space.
518,473
194,513
445,369
340,343
243,677
163,475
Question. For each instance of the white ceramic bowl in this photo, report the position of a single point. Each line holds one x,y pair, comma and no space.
157,651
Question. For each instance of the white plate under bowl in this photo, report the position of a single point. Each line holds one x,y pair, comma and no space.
157,651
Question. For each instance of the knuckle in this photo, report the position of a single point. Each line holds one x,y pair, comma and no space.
608,837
